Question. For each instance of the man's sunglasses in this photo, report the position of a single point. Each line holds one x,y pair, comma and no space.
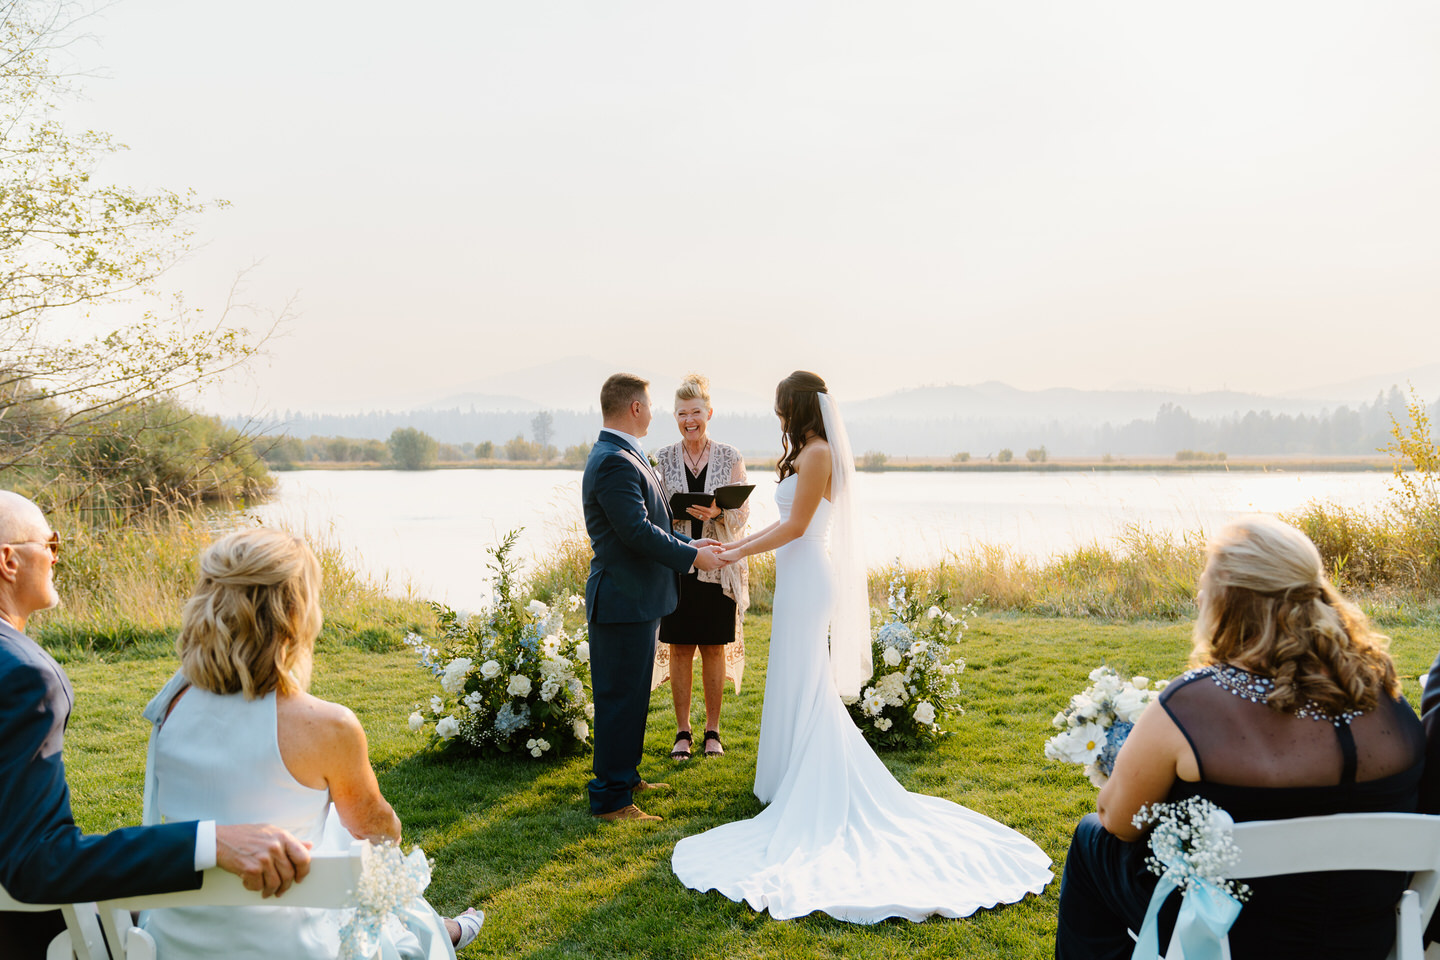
53,543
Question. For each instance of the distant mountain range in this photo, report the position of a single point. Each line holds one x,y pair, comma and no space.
1346,418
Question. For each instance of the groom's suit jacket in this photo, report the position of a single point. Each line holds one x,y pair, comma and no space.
634,574
44,858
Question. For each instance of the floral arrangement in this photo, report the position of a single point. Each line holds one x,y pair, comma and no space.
512,677
389,880
913,685
1192,842
1097,721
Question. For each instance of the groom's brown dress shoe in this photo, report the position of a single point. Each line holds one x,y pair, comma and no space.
642,786
631,812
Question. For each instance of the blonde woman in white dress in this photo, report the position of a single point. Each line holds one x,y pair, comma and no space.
237,738
840,834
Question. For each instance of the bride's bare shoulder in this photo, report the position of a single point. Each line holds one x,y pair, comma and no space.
816,450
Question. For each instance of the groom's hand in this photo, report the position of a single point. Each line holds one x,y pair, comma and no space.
709,558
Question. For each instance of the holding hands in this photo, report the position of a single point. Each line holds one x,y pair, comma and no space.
709,557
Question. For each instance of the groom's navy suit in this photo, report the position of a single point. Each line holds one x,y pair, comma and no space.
634,581
44,858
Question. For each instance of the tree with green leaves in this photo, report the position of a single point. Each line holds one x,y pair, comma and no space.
75,246
412,448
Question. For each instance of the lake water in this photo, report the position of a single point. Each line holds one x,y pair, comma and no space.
427,531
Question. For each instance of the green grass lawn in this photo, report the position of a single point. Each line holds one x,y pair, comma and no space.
515,838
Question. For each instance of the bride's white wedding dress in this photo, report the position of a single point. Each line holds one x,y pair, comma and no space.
841,835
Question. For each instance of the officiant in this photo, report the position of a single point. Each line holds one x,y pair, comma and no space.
712,607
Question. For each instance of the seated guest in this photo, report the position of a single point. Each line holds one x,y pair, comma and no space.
244,740
44,858
1293,710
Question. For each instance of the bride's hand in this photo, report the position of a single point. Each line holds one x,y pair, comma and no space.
728,557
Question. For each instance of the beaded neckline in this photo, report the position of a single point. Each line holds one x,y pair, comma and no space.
1257,689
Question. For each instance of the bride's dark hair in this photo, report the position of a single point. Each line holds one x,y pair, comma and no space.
797,404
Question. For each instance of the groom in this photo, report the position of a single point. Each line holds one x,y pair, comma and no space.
633,583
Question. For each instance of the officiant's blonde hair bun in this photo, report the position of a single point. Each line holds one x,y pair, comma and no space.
251,624
695,386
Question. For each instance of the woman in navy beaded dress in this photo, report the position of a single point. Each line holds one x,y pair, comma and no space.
1293,709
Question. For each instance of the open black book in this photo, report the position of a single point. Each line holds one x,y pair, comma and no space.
728,497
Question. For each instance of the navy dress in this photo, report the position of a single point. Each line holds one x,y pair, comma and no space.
1362,764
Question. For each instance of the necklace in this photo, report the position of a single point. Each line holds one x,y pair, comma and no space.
694,465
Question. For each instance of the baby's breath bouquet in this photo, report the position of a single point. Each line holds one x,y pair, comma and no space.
513,676
1192,840
1098,720
914,683
390,882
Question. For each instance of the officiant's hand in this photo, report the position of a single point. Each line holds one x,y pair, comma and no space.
704,513
707,542
709,558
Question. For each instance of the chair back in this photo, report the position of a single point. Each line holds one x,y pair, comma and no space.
1402,842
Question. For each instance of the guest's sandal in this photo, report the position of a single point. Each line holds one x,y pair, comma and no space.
682,753
719,750
469,923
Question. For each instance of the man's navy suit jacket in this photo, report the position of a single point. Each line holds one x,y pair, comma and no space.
44,858
634,574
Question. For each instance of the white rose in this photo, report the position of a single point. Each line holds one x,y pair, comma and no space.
417,720
582,730
453,680
1140,682
447,727
892,657
589,711
924,712
537,608
1130,703
519,685
582,651
490,669
883,723
933,612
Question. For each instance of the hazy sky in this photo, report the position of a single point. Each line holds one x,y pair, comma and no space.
1072,193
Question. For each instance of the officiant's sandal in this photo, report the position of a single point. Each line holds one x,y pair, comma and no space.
719,750
682,753
469,923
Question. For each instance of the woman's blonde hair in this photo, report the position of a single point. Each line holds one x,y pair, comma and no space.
1265,606
251,624
695,386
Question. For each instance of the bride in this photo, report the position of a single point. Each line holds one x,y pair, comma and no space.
840,834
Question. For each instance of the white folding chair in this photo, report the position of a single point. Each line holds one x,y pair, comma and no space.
1408,842
81,938
332,882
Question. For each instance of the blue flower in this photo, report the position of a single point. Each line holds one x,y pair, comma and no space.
1114,740
509,718
896,635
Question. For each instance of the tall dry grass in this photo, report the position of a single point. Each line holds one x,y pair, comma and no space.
122,587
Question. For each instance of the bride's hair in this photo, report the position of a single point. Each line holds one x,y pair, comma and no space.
251,624
1265,606
797,404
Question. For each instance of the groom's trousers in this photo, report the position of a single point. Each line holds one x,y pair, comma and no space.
622,661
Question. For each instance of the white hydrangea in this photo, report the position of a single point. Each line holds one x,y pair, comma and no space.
456,672
447,727
548,689
519,685
576,688
892,688
436,704
473,700
589,711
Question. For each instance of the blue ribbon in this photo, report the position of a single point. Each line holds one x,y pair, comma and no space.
1206,914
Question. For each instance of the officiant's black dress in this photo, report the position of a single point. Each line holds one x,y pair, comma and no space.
705,615
1239,743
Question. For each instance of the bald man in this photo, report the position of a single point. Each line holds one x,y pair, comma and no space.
44,858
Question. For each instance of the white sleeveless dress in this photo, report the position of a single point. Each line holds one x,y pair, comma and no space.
840,834
216,757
